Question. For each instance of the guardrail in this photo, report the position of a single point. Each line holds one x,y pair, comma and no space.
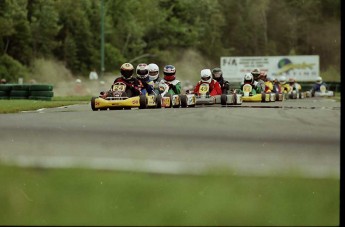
26,91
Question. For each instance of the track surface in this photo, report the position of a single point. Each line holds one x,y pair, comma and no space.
299,136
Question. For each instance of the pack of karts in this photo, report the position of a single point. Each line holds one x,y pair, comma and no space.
204,98
117,99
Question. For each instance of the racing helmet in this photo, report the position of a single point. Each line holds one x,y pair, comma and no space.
153,71
282,79
127,70
142,71
291,81
248,78
169,72
3,81
206,75
217,73
319,80
255,72
263,75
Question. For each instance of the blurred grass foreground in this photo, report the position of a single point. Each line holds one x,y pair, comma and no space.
34,196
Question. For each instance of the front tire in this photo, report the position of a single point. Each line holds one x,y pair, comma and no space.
142,102
93,104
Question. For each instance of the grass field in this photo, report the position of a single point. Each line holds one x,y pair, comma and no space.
90,197
17,105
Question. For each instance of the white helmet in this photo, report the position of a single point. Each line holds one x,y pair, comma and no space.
248,78
206,75
282,79
319,80
153,71
142,71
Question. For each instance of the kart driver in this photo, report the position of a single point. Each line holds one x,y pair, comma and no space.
249,79
268,83
154,76
170,80
206,78
133,85
256,75
317,85
143,77
217,75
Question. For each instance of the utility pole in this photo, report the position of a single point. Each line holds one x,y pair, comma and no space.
102,38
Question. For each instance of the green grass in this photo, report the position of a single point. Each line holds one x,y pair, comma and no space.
88,197
17,105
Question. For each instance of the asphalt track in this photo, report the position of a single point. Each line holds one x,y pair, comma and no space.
294,136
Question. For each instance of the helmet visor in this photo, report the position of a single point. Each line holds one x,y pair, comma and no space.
126,73
217,74
205,78
169,77
153,73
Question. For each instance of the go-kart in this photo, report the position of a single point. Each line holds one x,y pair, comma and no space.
322,93
248,96
116,99
204,98
175,101
297,94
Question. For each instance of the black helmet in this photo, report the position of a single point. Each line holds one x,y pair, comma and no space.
217,73
127,70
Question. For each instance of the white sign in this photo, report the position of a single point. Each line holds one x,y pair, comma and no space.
301,67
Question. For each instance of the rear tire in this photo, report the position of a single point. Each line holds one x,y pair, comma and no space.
159,101
183,100
223,99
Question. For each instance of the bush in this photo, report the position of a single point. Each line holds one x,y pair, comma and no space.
11,69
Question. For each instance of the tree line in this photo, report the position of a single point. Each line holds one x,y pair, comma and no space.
157,30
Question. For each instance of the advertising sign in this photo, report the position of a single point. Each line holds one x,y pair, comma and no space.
300,67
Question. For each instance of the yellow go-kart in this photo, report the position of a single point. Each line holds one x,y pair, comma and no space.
262,97
117,99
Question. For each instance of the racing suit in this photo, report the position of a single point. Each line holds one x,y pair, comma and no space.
214,87
256,88
316,87
147,86
156,84
174,86
225,85
133,86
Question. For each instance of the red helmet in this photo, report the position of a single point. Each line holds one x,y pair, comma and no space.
169,72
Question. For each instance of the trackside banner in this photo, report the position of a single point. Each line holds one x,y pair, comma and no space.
300,67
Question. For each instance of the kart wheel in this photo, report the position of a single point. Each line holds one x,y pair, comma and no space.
263,96
93,104
223,99
159,101
183,99
142,102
